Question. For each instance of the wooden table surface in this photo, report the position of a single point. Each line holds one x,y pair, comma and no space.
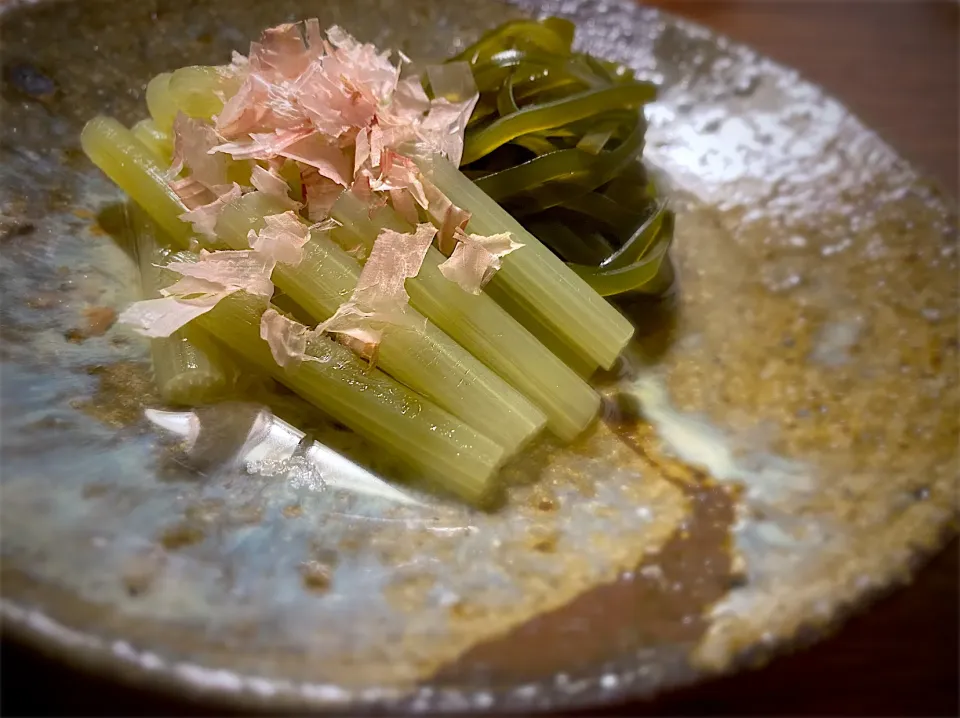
895,64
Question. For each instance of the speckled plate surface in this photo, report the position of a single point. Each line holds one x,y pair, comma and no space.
780,443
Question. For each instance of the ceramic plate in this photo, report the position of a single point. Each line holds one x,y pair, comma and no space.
780,443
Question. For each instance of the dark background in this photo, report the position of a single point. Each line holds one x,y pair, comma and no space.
895,63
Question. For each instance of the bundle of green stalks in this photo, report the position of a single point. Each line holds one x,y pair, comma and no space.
551,157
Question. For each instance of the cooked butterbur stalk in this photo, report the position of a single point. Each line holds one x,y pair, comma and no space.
197,90
563,352
187,371
485,329
135,169
162,111
154,139
417,353
194,90
537,282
